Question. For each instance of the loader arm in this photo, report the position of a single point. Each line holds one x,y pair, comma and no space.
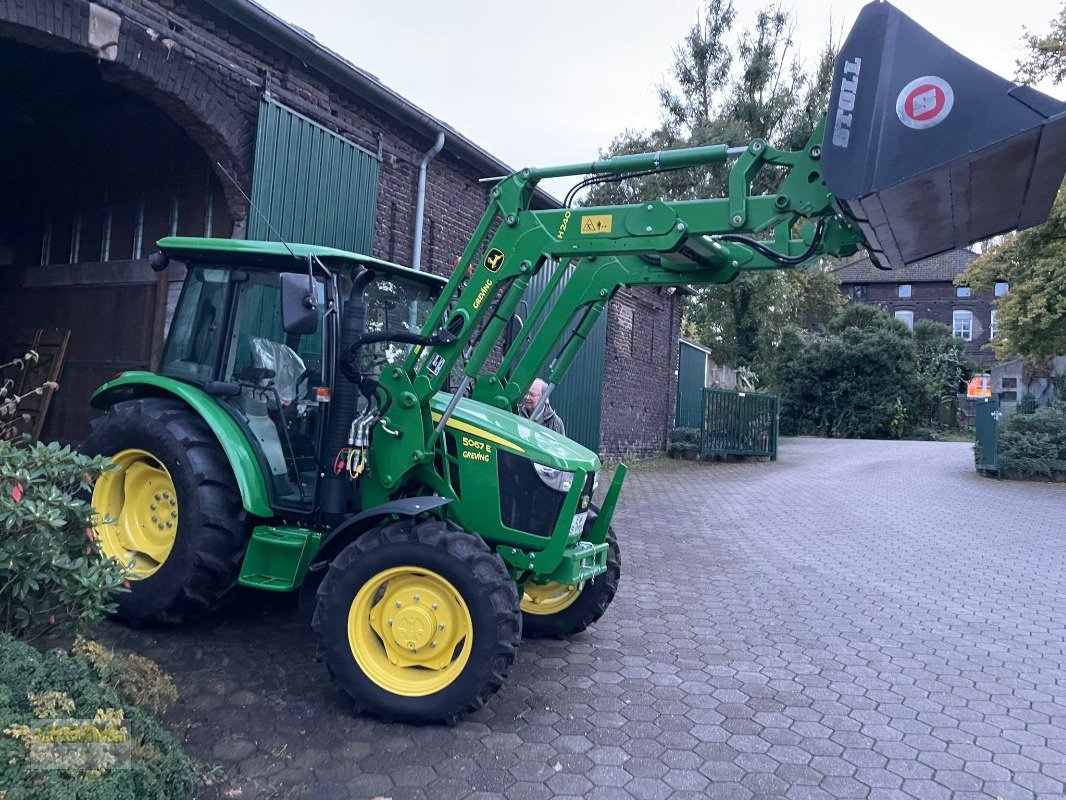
652,243
914,166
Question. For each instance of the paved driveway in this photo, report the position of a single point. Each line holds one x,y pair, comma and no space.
859,620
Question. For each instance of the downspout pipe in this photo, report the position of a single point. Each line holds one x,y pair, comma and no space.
420,202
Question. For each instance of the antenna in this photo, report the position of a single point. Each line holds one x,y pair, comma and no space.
262,216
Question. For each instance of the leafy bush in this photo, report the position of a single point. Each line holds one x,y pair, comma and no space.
867,376
1033,445
82,685
52,572
858,379
682,439
1027,405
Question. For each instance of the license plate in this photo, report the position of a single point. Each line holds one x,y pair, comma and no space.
578,525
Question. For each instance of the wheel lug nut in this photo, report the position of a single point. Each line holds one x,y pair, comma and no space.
158,496
417,598
399,604
389,623
154,506
173,503
440,627
155,518
170,524
432,644
434,606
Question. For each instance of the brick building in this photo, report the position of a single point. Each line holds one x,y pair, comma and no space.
926,290
134,119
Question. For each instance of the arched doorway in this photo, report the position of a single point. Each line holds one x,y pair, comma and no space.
91,175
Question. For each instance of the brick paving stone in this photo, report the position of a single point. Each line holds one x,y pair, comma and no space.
865,620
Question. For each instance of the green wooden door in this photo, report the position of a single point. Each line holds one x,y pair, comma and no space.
312,185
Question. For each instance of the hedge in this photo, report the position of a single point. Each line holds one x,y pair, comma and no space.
83,684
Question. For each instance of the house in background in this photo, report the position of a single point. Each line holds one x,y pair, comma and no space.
926,290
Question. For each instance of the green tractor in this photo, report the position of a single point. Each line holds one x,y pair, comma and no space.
337,425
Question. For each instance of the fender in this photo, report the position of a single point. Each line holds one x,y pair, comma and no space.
364,520
351,529
242,456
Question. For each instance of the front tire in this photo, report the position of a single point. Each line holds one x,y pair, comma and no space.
418,622
180,524
555,610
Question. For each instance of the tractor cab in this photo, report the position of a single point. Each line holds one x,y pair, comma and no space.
257,330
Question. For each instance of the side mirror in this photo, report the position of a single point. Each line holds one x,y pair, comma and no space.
299,306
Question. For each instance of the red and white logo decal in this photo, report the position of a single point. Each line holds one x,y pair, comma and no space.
925,102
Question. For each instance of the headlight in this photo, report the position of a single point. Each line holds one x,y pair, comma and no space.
557,479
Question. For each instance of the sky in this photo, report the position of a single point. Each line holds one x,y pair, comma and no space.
554,81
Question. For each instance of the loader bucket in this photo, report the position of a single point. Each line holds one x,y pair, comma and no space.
928,151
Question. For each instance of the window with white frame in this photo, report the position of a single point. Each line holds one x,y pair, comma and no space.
1001,288
962,325
992,325
904,290
906,317
962,291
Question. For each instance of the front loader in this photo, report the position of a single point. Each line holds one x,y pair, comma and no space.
333,424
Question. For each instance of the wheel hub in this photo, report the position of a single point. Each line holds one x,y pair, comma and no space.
413,628
137,504
410,631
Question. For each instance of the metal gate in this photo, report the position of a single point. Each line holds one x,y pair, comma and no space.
739,424
986,433
311,184
579,398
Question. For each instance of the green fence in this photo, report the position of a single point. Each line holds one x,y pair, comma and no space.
986,433
739,424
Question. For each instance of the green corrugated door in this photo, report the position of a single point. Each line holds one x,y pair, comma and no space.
579,398
691,376
311,184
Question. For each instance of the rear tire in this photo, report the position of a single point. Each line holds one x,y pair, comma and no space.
201,568
575,614
429,596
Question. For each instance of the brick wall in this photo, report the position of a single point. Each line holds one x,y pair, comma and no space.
640,373
935,301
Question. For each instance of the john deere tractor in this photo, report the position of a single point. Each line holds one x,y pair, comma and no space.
333,424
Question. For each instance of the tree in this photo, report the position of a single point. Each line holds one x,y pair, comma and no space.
1031,316
942,366
856,379
761,90
1047,54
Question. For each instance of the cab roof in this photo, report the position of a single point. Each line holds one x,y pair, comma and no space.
277,255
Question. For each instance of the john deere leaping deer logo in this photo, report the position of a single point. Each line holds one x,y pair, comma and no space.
494,260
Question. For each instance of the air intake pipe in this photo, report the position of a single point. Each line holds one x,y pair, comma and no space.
337,498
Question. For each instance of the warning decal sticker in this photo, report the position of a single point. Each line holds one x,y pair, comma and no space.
597,223
925,102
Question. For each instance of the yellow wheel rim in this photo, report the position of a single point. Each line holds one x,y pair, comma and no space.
410,631
140,500
549,598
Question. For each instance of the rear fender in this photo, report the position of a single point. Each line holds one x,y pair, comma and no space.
241,454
